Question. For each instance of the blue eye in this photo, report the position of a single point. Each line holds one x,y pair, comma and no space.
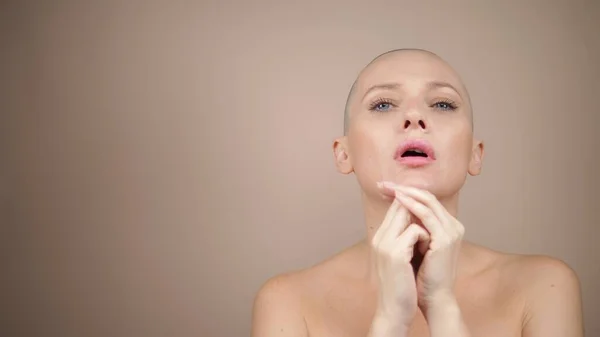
380,106
444,106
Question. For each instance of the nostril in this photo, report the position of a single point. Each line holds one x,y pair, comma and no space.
406,124
422,124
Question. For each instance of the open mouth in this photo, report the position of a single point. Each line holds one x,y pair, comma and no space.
414,153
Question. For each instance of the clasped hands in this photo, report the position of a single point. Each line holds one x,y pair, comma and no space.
436,239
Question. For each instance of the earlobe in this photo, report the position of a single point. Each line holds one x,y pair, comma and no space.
341,156
476,158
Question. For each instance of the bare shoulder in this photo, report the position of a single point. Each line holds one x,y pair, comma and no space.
282,302
541,270
277,309
540,276
528,272
550,289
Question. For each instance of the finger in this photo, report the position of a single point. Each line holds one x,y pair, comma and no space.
423,245
410,237
389,216
387,189
428,218
449,223
396,227
426,198
429,200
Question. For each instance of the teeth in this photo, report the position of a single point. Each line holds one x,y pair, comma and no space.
416,150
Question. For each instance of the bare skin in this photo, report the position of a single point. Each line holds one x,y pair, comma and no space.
483,292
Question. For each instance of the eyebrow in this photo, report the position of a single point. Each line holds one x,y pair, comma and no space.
391,86
441,84
384,86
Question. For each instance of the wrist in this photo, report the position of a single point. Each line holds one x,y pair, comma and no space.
444,317
439,304
386,324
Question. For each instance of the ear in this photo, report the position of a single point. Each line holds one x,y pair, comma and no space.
341,155
476,158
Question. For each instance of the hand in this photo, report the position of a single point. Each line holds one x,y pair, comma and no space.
393,245
437,272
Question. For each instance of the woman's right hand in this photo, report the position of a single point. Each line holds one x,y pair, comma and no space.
393,246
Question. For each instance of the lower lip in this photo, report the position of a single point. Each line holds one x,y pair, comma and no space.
415,161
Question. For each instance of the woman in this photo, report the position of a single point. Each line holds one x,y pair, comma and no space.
409,140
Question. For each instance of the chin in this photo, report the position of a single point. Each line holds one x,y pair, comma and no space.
418,183
440,189
421,181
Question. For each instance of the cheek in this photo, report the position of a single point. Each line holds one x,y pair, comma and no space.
459,142
457,153
363,149
367,152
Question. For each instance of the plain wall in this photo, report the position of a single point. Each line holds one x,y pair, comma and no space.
161,160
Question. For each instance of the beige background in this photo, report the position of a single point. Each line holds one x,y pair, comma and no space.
161,160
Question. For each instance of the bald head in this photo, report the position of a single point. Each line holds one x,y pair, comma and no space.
394,56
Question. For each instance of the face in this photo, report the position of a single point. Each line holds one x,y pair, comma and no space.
410,123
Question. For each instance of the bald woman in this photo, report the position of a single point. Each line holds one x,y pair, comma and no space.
409,141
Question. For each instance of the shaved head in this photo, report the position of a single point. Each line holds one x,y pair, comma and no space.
423,52
401,96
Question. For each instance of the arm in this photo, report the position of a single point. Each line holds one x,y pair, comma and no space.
276,310
437,272
444,318
555,308
387,326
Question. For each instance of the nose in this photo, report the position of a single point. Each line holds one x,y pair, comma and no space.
415,120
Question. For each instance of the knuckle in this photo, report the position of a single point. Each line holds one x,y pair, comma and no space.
402,254
412,230
445,241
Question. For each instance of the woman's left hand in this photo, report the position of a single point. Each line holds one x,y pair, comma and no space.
437,272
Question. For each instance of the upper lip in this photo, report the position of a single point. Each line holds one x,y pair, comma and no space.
415,144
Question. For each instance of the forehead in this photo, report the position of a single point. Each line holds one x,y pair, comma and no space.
408,67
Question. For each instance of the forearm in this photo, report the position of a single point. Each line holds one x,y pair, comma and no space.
386,326
445,319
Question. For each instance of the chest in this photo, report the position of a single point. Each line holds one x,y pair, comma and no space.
350,315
